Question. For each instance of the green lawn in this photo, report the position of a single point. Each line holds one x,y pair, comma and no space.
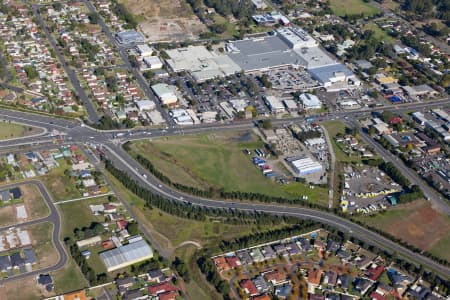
230,27
441,248
44,249
352,7
11,130
75,215
78,215
217,161
69,279
60,186
379,33
333,128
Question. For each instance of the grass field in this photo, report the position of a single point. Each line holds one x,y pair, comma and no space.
218,161
78,215
41,237
352,7
11,130
379,33
69,278
418,224
333,128
34,202
27,287
59,185
75,215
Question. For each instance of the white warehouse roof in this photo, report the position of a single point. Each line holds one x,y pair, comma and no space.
145,105
129,254
201,63
306,165
275,104
310,101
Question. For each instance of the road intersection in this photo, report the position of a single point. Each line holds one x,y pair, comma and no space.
74,132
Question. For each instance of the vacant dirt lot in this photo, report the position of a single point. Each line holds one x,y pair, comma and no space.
34,202
7,215
27,287
165,20
416,223
423,228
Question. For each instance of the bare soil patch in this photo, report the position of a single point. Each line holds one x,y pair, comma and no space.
423,228
25,289
165,20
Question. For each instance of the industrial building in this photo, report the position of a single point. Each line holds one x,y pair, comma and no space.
129,37
263,53
153,62
290,105
181,117
201,63
334,77
310,101
296,38
165,93
274,104
126,255
293,47
305,166
144,50
145,105
89,242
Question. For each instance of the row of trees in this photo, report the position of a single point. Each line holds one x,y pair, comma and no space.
182,269
305,135
233,195
233,216
420,9
185,210
209,269
390,169
270,235
87,232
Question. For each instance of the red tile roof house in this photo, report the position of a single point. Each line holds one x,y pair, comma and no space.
109,209
233,261
221,263
374,272
172,295
122,224
376,296
160,288
314,276
249,287
396,120
275,277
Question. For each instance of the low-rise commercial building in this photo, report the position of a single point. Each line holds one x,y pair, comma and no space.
129,37
165,93
310,101
274,104
305,166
